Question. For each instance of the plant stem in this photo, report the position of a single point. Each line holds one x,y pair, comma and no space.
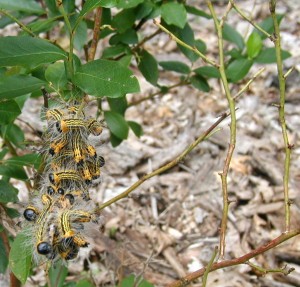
161,92
231,103
71,35
287,145
178,41
236,261
243,15
21,25
165,167
208,267
96,33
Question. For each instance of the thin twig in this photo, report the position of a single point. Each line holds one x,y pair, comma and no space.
231,103
161,92
287,145
244,16
208,267
264,271
236,261
183,44
21,25
96,34
165,167
241,91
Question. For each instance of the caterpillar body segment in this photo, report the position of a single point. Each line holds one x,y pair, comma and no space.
77,147
66,125
58,145
54,115
62,214
68,175
94,127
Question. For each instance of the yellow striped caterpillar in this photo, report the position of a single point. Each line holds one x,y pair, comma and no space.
60,215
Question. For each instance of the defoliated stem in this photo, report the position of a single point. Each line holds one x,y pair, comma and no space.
287,145
231,103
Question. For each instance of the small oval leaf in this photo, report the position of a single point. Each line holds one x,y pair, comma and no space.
238,69
148,67
105,78
7,192
175,66
174,14
117,124
20,257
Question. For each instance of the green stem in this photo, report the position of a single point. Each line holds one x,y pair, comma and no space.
287,145
21,25
71,34
208,267
243,15
231,103
183,44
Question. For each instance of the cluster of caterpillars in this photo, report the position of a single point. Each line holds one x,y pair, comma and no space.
60,211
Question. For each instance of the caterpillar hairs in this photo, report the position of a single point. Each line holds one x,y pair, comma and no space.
59,212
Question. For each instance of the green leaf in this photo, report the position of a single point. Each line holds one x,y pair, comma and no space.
136,128
7,192
126,60
148,67
128,37
28,52
105,78
13,171
3,152
42,25
11,212
268,56
268,25
18,85
187,35
20,257
195,11
208,72
174,14
125,4
56,75
114,51
175,66
3,257
92,4
118,105
80,37
254,45
14,134
238,69
28,6
200,83
231,35
144,9
84,283
9,110
128,281
117,124
200,45
31,159
114,140
124,20
58,274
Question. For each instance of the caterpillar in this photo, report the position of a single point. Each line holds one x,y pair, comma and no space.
59,213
